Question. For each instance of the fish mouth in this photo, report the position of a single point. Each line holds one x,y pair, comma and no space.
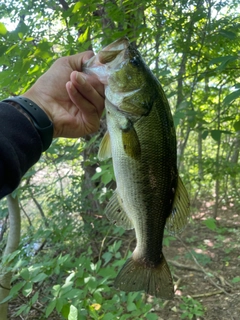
110,52
108,60
117,45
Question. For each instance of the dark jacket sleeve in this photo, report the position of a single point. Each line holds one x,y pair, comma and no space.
20,147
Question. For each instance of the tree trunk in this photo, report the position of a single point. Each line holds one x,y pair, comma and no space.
12,245
217,183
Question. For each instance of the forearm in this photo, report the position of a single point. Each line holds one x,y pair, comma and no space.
20,147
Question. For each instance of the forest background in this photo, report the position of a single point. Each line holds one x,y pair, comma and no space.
69,253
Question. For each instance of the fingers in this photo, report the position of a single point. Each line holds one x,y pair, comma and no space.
86,82
86,114
94,82
85,96
92,90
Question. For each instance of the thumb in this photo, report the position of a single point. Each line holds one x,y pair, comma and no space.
76,61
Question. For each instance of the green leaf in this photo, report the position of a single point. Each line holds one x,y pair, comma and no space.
66,288
27,289
131,306
237,126
216,134
7,259
40,277
108,316
23,308
108,272
77,6
232,96
50,307
236,279
3,29
73,293
60,303
97,175
2,50
6,299
91,282
205,134
106,177
84,36
35,297
202,258
177,117
152,316
73,313
25,274
11,48
223,61
56,289
228,34
98,297
210,223
16,288
29,39
70,277
65,310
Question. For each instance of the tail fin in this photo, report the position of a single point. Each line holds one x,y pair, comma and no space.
136,276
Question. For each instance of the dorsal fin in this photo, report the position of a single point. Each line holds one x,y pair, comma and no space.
179,216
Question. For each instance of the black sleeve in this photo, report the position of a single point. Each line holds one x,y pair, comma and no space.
20,147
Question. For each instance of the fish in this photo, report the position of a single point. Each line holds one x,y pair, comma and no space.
141,140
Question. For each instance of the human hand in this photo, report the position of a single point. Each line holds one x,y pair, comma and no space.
72,100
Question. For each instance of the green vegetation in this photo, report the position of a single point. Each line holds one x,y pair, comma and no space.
191,308
69,253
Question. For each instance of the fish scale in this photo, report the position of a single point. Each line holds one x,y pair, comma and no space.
141,140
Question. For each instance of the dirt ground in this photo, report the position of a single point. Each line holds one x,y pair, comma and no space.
207,280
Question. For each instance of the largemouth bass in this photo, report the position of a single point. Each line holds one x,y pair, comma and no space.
141,140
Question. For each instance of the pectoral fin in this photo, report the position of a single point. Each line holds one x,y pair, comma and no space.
130,107
131,144
104,151
116,214
180,210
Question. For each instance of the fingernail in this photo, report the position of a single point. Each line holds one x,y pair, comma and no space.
71,87
80,78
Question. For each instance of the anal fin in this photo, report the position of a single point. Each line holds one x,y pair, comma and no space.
116,214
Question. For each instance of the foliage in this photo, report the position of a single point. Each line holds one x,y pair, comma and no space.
69,253
191,308
84,289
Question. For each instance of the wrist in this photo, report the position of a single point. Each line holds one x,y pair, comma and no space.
37,116
33,95
30,94
20,109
